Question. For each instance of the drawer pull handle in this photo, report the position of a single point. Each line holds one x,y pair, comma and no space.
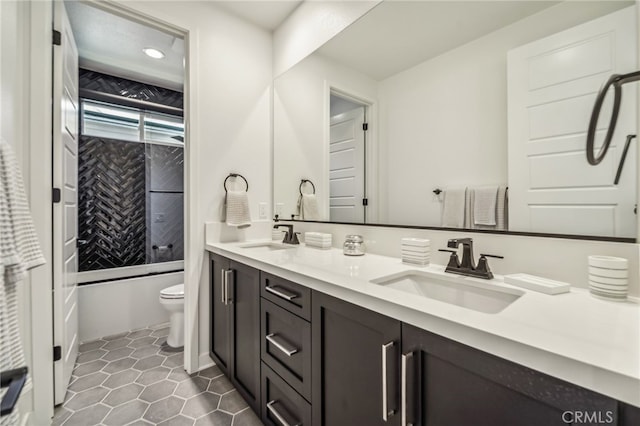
280,293
279,416
271,338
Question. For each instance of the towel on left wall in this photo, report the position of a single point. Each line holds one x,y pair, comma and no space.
19,252
236,209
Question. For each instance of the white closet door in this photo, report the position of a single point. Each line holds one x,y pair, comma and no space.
346,167
552,85
65,213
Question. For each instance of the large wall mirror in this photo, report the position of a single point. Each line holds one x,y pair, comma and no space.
463,115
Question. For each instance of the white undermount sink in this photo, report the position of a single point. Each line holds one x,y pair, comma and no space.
457,290
267,246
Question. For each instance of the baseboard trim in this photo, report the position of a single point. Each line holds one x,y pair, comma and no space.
205,361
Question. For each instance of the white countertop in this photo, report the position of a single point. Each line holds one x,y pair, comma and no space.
586,341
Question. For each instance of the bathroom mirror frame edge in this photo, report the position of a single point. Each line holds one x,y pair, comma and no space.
475,231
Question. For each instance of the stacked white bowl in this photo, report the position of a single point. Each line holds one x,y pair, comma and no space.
608,277
318,239
415,251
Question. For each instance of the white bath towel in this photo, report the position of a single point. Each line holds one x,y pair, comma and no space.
237,209
19,252
308,207
453,211
484,205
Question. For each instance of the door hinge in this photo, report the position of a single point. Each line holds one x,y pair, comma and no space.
365,201
365,126
57,38
57,353
56,195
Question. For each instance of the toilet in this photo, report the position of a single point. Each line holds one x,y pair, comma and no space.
172,298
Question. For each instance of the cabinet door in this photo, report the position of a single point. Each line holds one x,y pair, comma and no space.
355,365
447,383
244,295
220,346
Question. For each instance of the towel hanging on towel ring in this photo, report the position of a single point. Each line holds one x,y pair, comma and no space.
617,80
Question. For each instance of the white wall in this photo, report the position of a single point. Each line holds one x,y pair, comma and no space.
301,126
311,25
444,121
228,103
113,307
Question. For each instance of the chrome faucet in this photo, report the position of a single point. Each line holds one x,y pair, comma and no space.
290,237
467,266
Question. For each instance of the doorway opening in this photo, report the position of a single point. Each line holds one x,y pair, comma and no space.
119,170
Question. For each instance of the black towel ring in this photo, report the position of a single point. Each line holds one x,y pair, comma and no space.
235,175
302,182
617,80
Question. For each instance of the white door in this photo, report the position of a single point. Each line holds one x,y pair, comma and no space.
552,85
65,217
347,166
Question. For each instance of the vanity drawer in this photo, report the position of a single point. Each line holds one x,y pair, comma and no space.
286,346
291,296
281,404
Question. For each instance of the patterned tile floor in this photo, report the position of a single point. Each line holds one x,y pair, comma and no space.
134,378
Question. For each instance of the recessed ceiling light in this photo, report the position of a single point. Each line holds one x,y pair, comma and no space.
153,53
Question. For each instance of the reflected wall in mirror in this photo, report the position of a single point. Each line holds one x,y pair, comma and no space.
488,102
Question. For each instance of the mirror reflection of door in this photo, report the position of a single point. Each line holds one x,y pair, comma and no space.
347,166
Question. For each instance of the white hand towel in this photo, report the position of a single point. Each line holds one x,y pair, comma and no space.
484,205
237,209
309,207
453,209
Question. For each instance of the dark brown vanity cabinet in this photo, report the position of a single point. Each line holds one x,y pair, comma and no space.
355,365
447,383
235,325
300,357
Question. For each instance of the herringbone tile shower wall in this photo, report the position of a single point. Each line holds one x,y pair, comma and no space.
111,203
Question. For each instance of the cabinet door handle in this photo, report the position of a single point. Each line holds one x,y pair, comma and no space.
228,273
405,358
271,338
277,415
223,286
386,413
281,293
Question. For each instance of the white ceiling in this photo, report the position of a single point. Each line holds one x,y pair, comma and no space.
113,45
266,14
397,35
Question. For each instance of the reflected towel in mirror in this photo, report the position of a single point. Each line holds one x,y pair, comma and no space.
502,211
484,205
308,207
453,210
237,209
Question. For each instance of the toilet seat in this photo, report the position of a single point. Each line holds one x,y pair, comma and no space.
173,292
